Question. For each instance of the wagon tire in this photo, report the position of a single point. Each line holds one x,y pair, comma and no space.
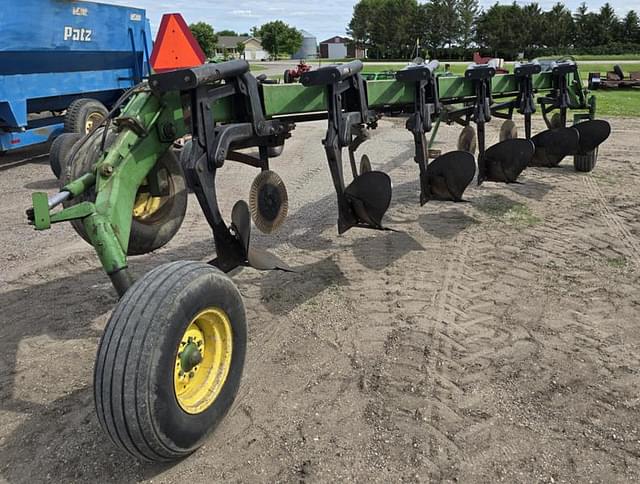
142,401
84,115
60,151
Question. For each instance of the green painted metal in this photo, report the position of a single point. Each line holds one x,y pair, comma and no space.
283,99
387,93
41,217
118,175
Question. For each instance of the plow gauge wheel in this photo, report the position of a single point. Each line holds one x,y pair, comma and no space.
177,342
268,201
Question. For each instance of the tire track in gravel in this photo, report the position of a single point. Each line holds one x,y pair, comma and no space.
614,221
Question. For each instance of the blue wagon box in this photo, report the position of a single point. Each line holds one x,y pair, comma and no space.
55,52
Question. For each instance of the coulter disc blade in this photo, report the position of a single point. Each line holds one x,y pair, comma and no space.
507,159
553,145
449,175
268,201
370,196
468,140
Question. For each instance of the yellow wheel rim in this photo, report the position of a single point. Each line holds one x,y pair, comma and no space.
146,206
93,119
203,360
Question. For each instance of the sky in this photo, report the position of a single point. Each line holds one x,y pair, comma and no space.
324,18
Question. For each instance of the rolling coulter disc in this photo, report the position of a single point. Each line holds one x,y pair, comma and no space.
506,160
468,140
365,164
450,174
508,130
268,201
370,196
552,145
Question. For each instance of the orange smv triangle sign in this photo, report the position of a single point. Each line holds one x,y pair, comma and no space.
175,47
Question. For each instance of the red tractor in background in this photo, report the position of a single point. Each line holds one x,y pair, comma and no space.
292,75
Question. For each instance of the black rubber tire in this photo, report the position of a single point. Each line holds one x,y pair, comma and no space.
60,150
134,391
586,163
287,77
275,151
78,112
146,236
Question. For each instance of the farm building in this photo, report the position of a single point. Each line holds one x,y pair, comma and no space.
340,48
309,48
229,46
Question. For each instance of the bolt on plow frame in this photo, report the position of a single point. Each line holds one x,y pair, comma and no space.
171,358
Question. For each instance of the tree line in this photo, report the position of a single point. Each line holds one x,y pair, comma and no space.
276,37
400,29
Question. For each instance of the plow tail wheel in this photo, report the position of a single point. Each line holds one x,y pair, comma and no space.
587,162
170,361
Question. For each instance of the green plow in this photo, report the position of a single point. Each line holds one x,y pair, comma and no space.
170,361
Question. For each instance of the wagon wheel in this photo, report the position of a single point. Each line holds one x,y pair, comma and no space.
170,361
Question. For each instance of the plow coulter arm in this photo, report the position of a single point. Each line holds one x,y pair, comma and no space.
177,338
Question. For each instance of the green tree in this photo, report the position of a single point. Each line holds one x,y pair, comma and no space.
631,28
279,38
389,28
499,29
559,28
609,24
240,49
468,11
227,33
206,37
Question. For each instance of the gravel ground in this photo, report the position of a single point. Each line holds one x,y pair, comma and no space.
495,340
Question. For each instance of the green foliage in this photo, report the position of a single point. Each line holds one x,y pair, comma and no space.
468,11
206,37
449,29
389,28
228,33
279,38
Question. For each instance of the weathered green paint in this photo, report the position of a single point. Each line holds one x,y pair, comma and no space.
386,93
105,242
78,211
79,186
283,99
41,218
118,175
